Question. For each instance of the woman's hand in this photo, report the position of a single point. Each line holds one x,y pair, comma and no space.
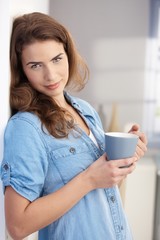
142,142
104,174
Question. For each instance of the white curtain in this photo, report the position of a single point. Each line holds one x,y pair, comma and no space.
152,82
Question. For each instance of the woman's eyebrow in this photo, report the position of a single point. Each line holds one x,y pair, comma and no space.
34,62
56,56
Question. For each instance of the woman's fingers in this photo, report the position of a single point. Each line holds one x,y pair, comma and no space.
123,162
142,137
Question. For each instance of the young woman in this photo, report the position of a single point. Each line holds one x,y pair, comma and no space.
56,176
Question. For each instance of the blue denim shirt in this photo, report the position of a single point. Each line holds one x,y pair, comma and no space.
36,164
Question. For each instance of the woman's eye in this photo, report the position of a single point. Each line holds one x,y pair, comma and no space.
57,59
35,66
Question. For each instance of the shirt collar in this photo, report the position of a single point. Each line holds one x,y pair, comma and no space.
82,110
73,101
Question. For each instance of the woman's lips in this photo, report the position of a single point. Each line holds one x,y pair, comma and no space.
53,86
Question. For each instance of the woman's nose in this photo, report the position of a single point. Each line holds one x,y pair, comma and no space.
50,74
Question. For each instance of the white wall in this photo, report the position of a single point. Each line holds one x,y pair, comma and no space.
8,9
111,35
4,83
25,6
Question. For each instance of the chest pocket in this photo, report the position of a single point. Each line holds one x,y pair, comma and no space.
71,160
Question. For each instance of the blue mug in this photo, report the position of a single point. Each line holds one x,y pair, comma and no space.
119,145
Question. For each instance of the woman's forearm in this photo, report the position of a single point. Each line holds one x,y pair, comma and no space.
35,215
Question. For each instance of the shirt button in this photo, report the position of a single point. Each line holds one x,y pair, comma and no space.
101,147
72,150
112,199
5,166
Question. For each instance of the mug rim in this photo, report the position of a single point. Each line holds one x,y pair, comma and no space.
121,134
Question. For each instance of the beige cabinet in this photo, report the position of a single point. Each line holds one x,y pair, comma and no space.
139,200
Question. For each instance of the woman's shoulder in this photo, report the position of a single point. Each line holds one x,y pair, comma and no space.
24,125
26,117
24,121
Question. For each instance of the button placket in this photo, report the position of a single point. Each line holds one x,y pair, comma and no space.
112,198
115,212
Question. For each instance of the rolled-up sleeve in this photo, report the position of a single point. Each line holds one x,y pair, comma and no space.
25,160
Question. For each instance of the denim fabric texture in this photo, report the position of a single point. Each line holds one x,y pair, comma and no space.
36,164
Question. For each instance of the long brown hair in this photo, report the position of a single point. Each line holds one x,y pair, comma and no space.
27,29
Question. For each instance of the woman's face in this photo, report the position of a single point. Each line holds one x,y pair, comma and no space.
45,64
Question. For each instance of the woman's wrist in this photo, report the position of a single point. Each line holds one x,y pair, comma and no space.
88,180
